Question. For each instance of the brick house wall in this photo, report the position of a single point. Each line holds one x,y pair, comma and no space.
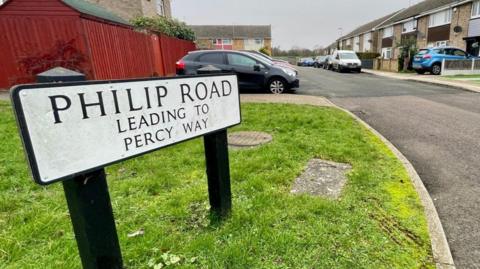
238,44
149,8
267,42
129,9
379,38
460,18
422,32
360,39
204,44
397,37
374,44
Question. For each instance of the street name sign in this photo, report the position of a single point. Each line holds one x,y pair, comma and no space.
69,129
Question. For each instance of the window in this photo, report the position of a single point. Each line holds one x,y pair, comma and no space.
349,42
438,44
388,32
211,58
441,43
476,9
160,7
237,59
440,18
253,43
409,26
223,43
387,53
366,42
456,52
356,43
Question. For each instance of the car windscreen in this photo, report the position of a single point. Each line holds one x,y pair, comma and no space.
348,56
260,58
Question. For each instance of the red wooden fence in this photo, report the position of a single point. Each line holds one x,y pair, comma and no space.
172,50
111,51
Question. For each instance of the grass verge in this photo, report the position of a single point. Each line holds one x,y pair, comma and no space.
377,223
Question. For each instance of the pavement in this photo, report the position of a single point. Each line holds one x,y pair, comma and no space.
465,84
4,95
436,127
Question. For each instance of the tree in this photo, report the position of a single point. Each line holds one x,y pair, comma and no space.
408,48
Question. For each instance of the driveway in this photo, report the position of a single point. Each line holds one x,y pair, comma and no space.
437,128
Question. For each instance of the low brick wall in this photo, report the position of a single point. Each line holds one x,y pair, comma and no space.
385,65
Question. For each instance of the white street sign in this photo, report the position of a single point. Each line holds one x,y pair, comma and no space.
73,128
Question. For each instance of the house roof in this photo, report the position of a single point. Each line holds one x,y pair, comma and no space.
94,10
370,26
87,8
418,9
232,31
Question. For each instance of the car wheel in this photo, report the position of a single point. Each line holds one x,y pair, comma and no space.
436,69
277,85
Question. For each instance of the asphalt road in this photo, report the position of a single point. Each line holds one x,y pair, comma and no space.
436,128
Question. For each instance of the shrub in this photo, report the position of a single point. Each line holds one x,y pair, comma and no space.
166,26
62,54
266,51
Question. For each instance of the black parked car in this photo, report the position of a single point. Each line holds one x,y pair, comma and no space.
253,72
320,61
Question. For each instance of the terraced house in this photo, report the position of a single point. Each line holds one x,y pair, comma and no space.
364,38
429,23
236,37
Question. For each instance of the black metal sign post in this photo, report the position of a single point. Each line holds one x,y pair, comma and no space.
218,173
218,169
89,205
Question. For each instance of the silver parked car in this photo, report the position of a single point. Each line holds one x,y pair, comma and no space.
346,60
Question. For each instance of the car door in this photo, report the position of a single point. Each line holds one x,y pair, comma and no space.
216,59
244,67
336,60
449,54
459,54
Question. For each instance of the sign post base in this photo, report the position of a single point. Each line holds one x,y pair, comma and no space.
218,173
93,222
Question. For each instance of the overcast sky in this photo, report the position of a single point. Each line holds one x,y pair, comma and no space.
304,23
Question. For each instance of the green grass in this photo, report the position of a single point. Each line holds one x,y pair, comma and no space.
377,223
464,76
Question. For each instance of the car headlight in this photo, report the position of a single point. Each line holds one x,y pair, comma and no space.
289,72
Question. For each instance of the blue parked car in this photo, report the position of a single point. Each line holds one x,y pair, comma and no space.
430,60
306,62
